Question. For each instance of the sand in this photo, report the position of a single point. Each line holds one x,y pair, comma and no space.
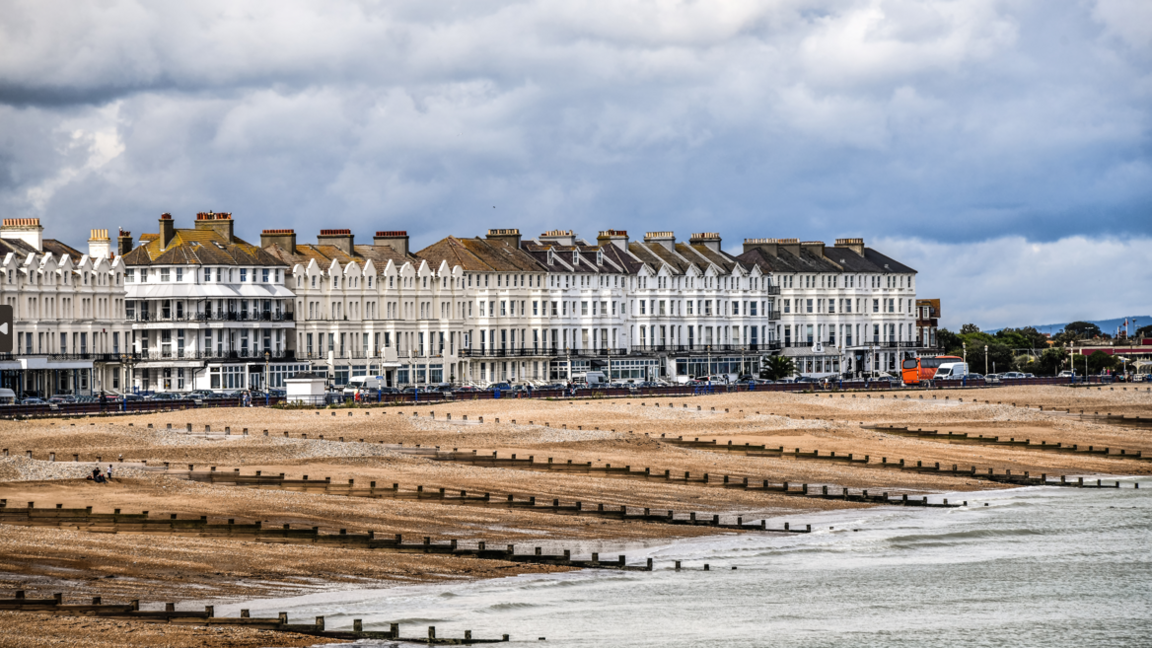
158,568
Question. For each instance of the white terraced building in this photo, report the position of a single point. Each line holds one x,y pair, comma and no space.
201,309
70,334
556,307
845,309
373,310
208,310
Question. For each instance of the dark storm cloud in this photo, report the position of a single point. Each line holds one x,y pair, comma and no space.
946,122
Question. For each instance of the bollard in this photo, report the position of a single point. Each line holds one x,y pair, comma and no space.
394,630
677,565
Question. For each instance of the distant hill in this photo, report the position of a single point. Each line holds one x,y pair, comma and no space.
1106,326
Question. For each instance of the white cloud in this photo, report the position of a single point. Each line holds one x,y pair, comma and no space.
936,120
1011,281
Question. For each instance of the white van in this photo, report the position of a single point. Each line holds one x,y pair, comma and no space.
596,379
951,371
358,383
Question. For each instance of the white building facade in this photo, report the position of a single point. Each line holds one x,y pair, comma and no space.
70,336
372,309
844,309
207,309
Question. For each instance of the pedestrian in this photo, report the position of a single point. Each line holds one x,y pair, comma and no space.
103,401
109,472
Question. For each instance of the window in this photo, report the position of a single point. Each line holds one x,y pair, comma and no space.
207,274
243,275
264,275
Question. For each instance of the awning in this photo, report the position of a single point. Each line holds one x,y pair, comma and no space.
254,290
181,291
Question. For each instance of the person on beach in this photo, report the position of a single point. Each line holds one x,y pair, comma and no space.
109,472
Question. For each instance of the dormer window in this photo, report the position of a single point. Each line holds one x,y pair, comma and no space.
599,257
575,257
551,257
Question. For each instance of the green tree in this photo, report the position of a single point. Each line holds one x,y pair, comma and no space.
1143,332
1023,338
778,367
1083,329
1099,361
947,340
1052,361
1077,331
969,328
999,357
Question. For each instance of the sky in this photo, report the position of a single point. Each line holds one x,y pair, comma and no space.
1001,148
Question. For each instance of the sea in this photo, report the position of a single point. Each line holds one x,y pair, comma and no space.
1040,566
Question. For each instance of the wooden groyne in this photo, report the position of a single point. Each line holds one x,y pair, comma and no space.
1012,442
487,500
85,519
131,612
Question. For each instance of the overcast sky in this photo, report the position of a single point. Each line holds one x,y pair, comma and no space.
1003,149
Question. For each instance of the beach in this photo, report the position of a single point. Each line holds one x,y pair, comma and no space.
379,444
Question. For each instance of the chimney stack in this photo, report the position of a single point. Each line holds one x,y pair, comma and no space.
395,239
509,236
768,245
221,223
99,246
285,238
340,238
167,230
619,238
124,242
565,238
710,240
815,247
854,244
667,239
28,230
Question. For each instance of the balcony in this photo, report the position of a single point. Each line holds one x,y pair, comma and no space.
513,353
212,355
700,349
95,357
773,290
211,317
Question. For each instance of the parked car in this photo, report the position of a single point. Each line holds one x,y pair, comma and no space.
1067,374
33,401
992,379
164,396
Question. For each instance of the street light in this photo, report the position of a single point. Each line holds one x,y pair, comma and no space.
267,396
985,359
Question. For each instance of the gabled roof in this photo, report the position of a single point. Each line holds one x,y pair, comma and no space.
324,255
480,255
886,263
198,247
17,247
722,260
59,249
616,261
656,255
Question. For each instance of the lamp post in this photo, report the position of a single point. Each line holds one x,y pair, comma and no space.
965,346
985,359
267,395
